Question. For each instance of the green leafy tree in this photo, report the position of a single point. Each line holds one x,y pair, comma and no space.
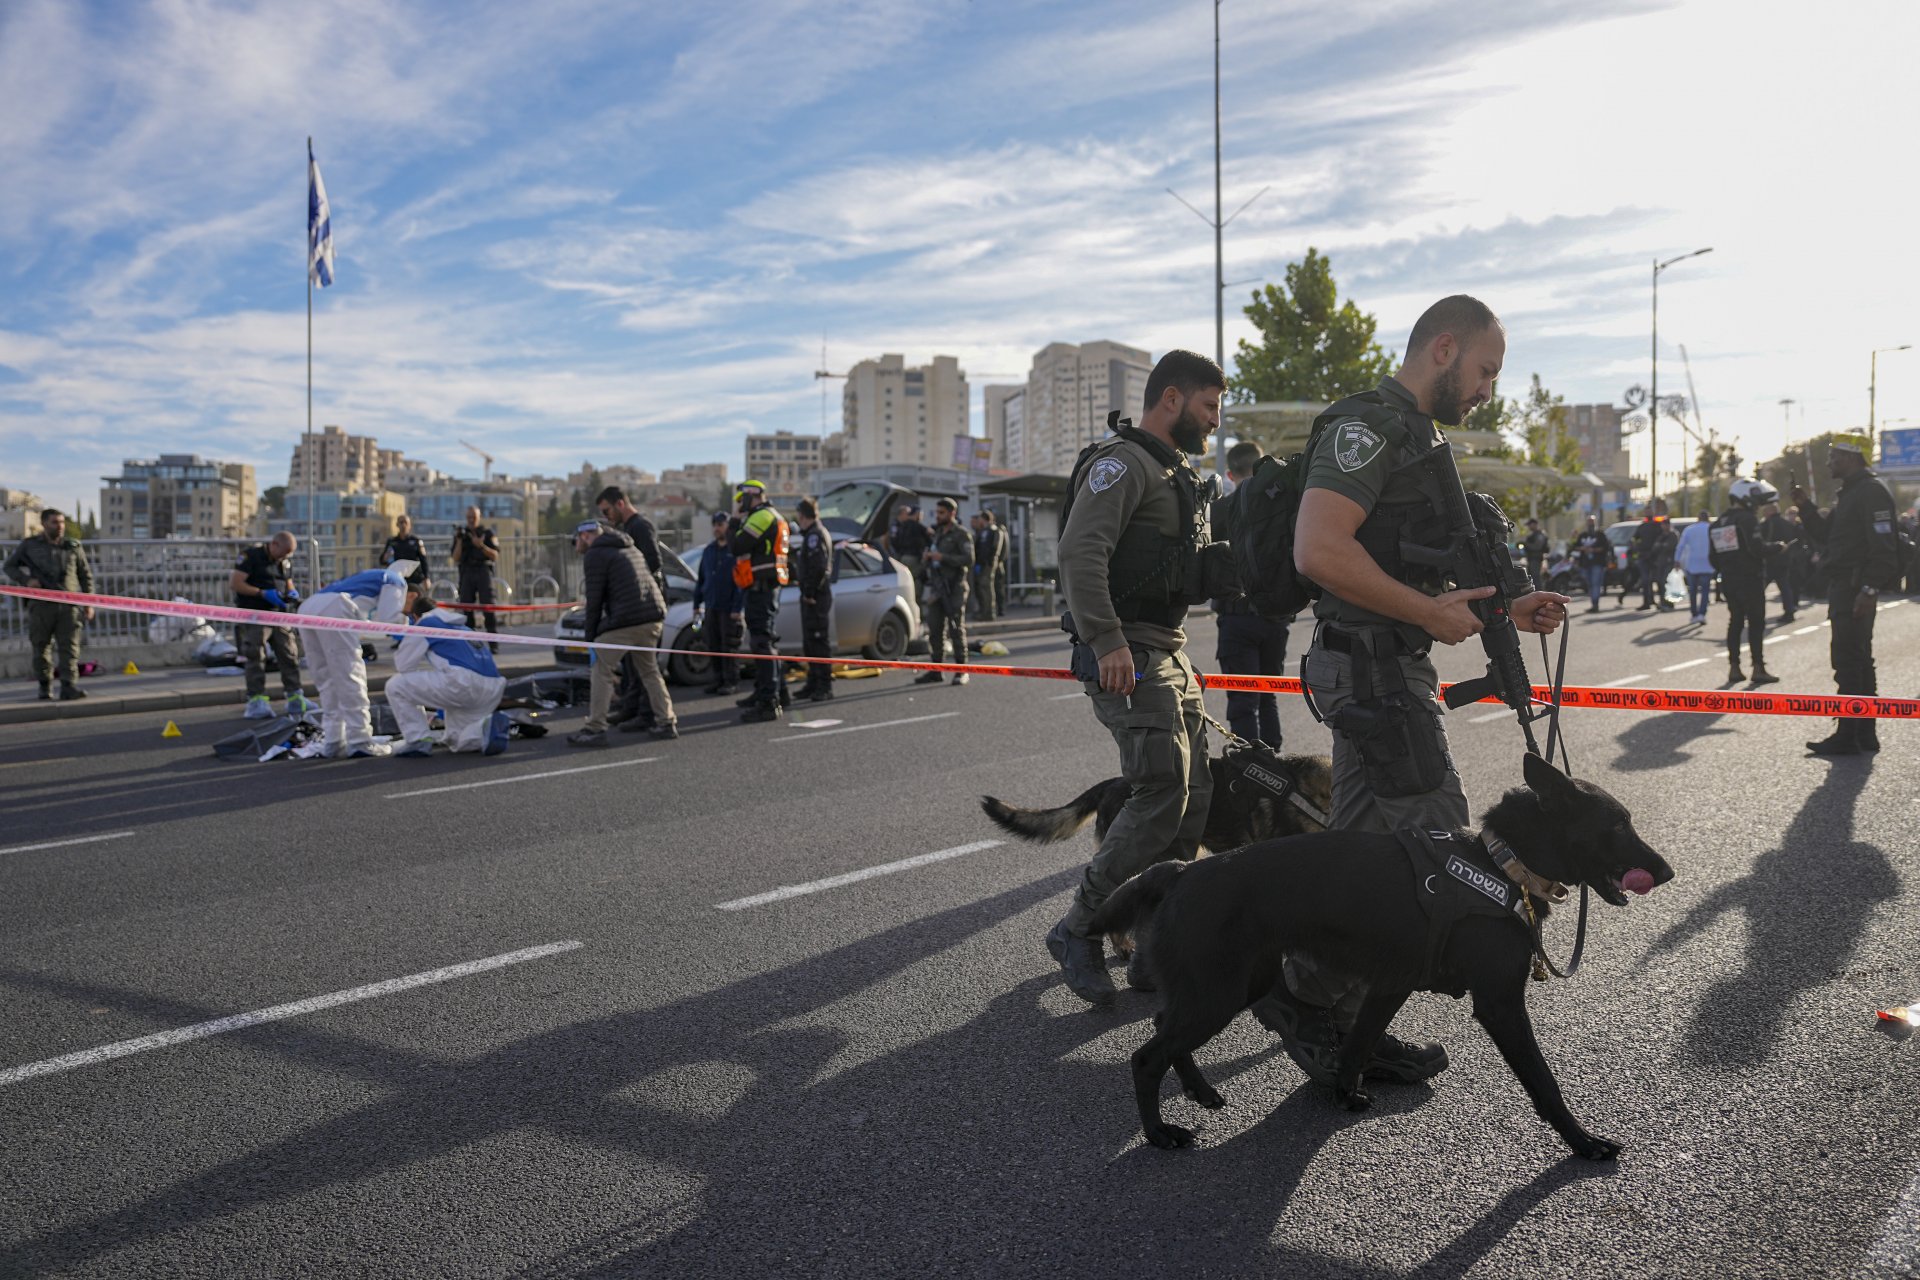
1312,345
1532,431
274,500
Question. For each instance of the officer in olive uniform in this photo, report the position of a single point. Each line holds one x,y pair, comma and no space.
263,579
1380,613
55,562
1133,555
760,541
813,573
1862,559
1739,555
949,567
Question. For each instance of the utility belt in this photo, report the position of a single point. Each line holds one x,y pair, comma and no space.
1402,747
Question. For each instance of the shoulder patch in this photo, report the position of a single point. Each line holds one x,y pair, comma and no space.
1105,473
1355,444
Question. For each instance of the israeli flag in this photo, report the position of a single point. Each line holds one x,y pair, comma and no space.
319,226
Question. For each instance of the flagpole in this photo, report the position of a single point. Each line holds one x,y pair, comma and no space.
313,548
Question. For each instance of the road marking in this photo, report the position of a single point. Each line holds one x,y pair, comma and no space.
813,724
58,844
1893,604
1062,697
1501,714
1615,684
1777,639
524,777
21,764
1898,1251
1682,666
861,728
240,1021
853,877
1805,631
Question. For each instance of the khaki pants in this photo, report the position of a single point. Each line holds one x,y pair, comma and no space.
606,669
1161,731
53,632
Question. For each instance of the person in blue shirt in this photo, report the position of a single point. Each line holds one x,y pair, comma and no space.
456,674
372,595
719,607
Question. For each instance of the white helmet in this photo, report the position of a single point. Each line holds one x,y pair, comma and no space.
1753,493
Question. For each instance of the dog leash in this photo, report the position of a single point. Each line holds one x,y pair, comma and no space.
1543,964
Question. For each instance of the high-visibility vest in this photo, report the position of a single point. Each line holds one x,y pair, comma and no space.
769,557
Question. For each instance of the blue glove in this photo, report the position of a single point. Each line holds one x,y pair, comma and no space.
290,596
273,598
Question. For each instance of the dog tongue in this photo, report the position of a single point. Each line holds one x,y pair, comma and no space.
1639,880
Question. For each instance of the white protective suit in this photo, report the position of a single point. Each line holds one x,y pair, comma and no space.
456,674
375,595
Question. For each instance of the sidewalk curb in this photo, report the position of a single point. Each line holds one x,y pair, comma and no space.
230,695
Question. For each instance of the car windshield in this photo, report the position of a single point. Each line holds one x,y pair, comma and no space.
673,566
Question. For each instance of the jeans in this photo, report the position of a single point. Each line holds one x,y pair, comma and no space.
1596,582
1699,593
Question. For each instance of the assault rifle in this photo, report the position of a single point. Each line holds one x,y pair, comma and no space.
1477,556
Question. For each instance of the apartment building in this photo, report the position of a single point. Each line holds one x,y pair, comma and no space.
894,414
178,495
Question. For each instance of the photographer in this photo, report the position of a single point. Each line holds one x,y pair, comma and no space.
1365,519
475,549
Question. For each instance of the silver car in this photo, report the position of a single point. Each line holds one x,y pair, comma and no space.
874,615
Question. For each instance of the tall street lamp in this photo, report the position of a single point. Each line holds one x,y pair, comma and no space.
1873,381
1653,468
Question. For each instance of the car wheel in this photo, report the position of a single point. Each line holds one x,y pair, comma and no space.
688,668
889,638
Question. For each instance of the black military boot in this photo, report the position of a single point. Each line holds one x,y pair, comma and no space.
1842,742
760,713
71,692
1734,674
1763,676
1306,1031
1396,1059
1083,962
1867,736
46,691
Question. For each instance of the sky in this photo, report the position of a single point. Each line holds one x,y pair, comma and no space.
626,232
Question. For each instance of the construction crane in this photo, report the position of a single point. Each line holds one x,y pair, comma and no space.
485,458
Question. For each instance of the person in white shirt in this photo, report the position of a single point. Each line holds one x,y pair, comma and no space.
1691,555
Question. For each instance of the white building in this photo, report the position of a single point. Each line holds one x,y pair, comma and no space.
1070,390
1003,410
784,462
893,414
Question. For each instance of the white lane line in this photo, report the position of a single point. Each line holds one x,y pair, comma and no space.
1777,639
1682,666
1894,604
59,844
861,728
1898,1250
1615,684
853,877
1501,714
524,777
1804,631
240,1021
1062,697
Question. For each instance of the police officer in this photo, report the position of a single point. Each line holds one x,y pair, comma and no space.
263,579
53,561
1593,553
1000,566
1380,613
760,568
1534,547
1739,554
989,550
403,545
1132,558
813,571
949,576
1249,644
907,542
475,549
1862,559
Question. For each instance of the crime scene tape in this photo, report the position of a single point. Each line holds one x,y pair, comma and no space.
508,608
1704,701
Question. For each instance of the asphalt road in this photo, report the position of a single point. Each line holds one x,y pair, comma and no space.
885,1076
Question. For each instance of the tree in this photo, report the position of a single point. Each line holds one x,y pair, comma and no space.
1532,431
1312,345
274,500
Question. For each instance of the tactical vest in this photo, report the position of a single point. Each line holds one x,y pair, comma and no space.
1731,548
1455,878
1390,524
1151,576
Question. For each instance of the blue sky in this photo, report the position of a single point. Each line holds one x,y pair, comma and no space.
622,232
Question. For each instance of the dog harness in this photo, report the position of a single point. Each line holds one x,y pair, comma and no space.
1457,878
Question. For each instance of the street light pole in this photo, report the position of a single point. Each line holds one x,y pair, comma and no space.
1653,404
1873,382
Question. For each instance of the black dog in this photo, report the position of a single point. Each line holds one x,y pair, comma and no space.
1363,904
1239,813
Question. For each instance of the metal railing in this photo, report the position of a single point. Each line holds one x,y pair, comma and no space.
532,569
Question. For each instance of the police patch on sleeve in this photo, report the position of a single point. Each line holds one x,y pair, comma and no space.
1105,474
1355,444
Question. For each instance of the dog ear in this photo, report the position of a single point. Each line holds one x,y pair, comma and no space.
1547,782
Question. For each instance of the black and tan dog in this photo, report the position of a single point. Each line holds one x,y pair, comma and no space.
1390,910
1240,812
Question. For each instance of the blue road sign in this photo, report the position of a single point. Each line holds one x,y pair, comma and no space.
1900,448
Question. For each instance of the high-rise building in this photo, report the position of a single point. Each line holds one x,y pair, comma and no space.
1596,429
784,462
1003,419
339,461
179,495
893,414
1070,389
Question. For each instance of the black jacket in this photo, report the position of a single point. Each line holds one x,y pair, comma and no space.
620,590
1862,539
813,561
640,529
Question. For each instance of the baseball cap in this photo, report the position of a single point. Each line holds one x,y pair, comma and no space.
721,517
588,526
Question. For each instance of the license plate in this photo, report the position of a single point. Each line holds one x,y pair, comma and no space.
578,648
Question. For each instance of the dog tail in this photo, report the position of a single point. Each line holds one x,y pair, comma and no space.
1135,898
1044,826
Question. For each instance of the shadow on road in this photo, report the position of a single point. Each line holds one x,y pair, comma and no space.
1656,742
1807,902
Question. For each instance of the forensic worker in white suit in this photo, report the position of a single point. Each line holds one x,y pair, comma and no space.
377,596
455,673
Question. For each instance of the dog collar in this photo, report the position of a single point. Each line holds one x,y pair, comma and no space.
1517,871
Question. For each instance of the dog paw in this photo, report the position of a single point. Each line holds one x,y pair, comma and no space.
1598,1148
1208,1097
1355,1099
1169,1136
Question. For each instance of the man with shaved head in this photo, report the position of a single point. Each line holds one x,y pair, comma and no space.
1379,614
263,579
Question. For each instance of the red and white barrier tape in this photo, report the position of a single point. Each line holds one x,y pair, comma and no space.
1708,701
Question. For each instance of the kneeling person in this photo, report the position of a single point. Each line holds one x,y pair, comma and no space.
374,596
456,674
